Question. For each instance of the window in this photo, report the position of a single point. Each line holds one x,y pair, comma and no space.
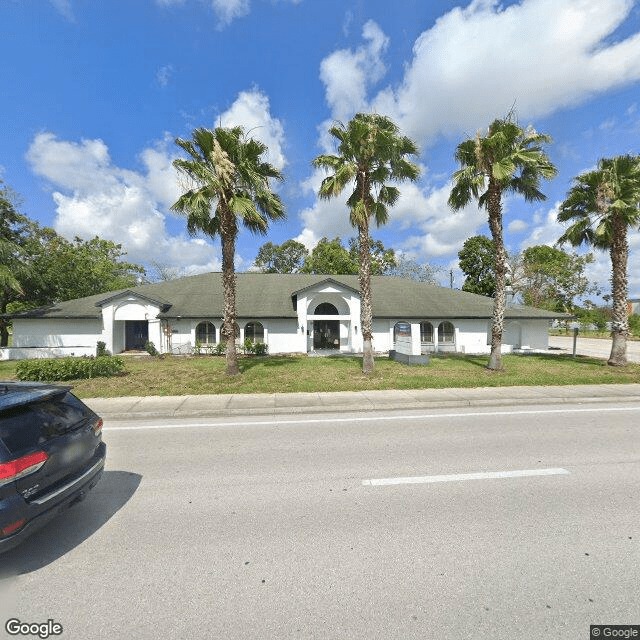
326,309
446,332
206,333
426,332
254,331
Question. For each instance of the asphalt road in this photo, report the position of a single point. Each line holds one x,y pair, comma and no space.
277,527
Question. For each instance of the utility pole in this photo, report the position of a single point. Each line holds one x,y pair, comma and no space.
451,278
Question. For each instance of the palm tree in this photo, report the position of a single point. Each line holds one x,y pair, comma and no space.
602,205
371,152
508,159
230,188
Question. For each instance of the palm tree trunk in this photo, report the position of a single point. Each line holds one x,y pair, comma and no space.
619,252
365,298
497,321
228,232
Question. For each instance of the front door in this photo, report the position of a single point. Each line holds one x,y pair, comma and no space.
136,334
326,334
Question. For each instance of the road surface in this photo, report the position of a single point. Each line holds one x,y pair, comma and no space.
499,523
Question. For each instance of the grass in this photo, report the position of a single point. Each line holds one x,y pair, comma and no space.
145,376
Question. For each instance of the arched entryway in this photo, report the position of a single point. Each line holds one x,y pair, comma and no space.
326,333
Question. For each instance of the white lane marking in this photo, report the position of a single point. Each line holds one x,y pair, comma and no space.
371,418
456,477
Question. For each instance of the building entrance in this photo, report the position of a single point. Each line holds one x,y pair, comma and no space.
136,334
326,334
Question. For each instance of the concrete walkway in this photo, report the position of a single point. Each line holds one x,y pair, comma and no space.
271,404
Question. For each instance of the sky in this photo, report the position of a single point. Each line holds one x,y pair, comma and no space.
94,95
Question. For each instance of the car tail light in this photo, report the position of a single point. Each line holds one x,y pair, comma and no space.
12,528
14,469
97,426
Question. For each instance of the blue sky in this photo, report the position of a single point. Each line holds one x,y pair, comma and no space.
94,94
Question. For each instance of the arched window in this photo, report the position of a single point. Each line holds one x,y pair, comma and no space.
326,309
254,331
206,333
446,332
426,332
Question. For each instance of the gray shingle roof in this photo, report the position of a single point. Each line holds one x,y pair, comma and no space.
264,295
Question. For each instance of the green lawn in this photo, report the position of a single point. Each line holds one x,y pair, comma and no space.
202,375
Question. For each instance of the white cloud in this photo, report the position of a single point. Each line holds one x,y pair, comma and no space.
517,226
442,231
226,10
64,8
251,110
541,55
348,75
163,75
94,197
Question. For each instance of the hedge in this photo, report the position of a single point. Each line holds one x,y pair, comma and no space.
58,369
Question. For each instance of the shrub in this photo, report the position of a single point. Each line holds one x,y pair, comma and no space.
221,348
101,349
150,348
634,326
247,347
260,349
59,369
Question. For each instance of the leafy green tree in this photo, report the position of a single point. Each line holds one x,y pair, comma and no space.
287,257
371,153
63,270
329,257
230,187
14,231
38,267
552,278
411,270
601,206
507,159
477,260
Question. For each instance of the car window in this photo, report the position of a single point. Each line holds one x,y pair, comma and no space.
27,426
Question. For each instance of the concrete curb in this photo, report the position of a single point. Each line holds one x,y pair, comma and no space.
158,407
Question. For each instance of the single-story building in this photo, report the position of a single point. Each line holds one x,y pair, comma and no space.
295,313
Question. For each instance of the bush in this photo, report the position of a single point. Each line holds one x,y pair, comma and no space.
101,349
221,348
634,326
247,347
150,348
260,349
59,369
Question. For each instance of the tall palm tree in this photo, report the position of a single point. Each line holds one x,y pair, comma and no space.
230,187
371,152
602,205
508,159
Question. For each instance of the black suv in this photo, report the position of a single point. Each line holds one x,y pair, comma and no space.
51,455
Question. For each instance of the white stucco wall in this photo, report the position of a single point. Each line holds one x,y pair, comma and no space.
53,338
56,333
